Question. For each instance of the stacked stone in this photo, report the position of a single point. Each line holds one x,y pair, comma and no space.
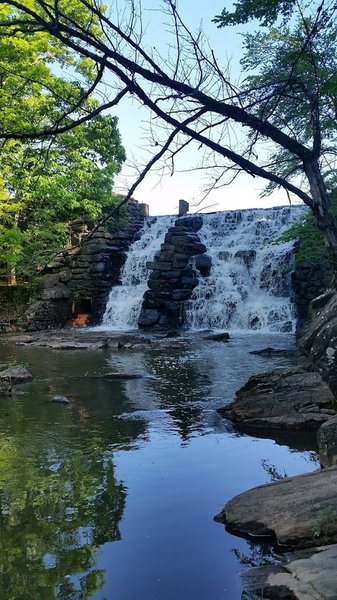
308,282
80,281
172,278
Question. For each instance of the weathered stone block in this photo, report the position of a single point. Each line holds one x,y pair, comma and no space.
203,263
148,317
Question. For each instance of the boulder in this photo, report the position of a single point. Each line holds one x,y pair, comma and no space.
55,292
295,512
306,575
283,398
60,400
16,374
319,339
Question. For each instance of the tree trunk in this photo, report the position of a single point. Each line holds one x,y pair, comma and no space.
322,210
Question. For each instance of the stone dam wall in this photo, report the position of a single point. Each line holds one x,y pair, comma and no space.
75,288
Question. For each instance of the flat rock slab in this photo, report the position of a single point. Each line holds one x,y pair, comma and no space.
271,352
71,344
283,398
304,577
295,512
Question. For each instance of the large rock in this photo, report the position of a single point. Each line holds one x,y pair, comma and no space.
295,512
283,398
16,374
319,339
307,575
55,292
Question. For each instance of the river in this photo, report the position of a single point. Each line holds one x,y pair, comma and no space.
113,495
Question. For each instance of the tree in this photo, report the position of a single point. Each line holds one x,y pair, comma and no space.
47,183
50,184
190,93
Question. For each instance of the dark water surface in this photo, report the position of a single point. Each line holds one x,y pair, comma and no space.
113,496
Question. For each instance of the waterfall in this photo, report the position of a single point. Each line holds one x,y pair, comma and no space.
248,287
125,300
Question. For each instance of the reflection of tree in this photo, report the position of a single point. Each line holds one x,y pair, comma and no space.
257,556
53,517
182,385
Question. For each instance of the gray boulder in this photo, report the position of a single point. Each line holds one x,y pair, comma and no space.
16,374
283,398
318,340
304,575
296,512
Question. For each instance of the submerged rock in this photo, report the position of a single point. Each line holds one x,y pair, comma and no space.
295,512
218,337
271,352
121,376
60,399
282,398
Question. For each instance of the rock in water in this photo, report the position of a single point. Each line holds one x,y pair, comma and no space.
218,337
297,512
60,400
282,398
16,374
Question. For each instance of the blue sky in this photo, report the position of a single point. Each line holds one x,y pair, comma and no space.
163,194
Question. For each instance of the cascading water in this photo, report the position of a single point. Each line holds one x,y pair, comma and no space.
248,287
125,300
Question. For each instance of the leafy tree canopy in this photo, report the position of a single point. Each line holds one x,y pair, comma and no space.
265,11
45,183
295,88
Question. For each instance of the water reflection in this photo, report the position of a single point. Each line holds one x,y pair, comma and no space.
145,461
56,509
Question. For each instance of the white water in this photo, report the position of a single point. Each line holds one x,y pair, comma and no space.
125,300
249,284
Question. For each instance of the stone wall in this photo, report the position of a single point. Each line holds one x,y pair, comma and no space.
308,282
75,288
173,275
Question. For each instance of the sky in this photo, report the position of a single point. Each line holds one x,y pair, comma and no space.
163,194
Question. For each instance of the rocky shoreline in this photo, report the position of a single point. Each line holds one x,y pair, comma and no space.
296,512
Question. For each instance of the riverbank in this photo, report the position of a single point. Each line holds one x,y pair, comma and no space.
297,512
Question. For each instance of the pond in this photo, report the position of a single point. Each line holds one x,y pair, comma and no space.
113,496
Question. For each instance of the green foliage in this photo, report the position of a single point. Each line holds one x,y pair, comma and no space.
265,11
44,184
321,525
311,245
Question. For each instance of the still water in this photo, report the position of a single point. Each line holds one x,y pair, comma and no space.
113,496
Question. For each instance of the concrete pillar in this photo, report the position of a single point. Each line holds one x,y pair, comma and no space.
183,207
144,209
